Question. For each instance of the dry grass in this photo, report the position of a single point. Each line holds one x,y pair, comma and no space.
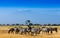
4,34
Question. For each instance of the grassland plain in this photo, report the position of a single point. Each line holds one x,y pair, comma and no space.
4,33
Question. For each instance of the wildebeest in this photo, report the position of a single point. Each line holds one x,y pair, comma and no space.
19,30
32,30
11,30
55,29
48,30
29,30
45,30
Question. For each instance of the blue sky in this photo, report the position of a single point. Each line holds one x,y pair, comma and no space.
38,11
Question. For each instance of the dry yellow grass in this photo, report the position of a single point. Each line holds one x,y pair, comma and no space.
4,34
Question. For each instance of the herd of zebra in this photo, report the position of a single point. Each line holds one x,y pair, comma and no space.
32,30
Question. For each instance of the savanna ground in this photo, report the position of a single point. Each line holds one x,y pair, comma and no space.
4,33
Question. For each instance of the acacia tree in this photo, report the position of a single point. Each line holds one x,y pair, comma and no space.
13,24
49,24
17,24
0,24
54,24
45,24
58,24
8,24
28,22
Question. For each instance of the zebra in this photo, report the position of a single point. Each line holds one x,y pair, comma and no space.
45,30
34,31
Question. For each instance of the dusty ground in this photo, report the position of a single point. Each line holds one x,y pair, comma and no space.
4,34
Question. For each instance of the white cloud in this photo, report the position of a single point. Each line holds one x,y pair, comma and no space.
24,10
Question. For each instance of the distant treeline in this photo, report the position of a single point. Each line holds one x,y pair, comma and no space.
30,24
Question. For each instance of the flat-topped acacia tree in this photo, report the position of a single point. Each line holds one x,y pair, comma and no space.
27,22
